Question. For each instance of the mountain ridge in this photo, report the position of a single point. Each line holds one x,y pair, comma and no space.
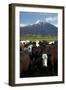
41,28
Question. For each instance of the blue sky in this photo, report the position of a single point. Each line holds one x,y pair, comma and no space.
29,18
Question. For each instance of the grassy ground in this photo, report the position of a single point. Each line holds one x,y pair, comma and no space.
38,37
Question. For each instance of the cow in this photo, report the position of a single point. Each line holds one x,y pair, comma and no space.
24,63
54,59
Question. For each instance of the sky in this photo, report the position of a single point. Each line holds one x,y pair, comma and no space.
29,18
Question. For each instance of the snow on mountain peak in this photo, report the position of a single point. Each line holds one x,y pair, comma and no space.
39,21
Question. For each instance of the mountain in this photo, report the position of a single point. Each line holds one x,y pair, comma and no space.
41,28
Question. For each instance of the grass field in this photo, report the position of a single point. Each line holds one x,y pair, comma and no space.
38,37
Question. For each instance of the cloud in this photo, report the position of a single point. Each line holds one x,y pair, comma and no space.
52,20
23,25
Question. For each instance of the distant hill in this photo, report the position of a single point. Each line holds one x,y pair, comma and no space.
41,28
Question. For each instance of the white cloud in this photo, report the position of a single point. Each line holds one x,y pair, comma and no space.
23,25
52,20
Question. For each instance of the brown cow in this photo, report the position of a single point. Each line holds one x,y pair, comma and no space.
24,63
54,58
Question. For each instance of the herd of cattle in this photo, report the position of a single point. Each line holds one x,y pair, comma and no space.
39,58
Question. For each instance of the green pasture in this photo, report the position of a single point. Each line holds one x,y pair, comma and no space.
38,37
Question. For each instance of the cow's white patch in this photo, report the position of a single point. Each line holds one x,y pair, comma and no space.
37,43
52,42
44,57
27,41
30,48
